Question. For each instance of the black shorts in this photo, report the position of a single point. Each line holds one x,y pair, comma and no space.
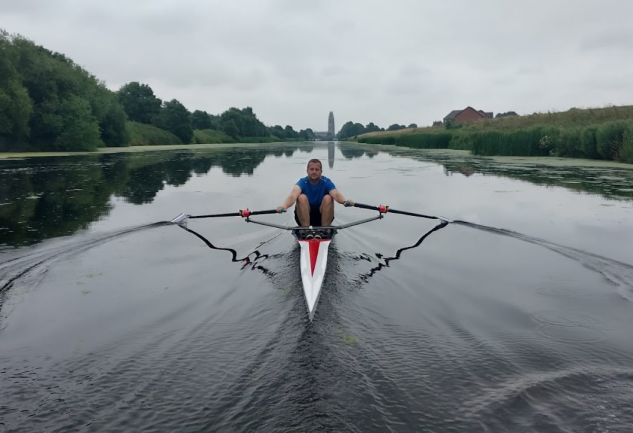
315,217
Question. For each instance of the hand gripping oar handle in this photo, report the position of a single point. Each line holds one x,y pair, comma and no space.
385,209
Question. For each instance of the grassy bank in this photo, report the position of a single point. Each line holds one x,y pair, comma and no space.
605,133
147,135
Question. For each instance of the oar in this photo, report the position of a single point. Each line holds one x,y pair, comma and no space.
242,213
385,209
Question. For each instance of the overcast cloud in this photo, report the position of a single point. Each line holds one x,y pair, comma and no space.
399,61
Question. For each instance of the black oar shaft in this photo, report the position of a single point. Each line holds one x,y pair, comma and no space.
242,213
401,212
219,215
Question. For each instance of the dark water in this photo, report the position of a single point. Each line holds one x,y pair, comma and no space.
516,319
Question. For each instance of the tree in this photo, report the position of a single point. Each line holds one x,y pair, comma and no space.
79,130
413,125
438,123
307,134
506,114
371,127
230,128
290,132
351,129
395,127
139,102
177,120
278,131
15,104
200,120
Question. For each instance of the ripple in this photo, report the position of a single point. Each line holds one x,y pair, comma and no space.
569,293
566,334
570,319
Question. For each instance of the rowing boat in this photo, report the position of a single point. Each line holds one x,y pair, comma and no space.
313,262
313,241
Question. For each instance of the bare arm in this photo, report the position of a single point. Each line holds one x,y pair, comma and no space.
336,195
292,198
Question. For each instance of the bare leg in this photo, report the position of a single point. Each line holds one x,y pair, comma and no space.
303,210
327,210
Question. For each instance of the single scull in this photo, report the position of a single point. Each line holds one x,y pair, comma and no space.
314,243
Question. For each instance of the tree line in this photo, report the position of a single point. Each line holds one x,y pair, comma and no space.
351,129
49,103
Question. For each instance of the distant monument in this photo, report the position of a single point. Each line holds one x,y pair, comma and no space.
330,134
330,125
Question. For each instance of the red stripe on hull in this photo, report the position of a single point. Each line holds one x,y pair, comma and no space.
314,252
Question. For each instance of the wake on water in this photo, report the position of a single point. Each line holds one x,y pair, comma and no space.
618,273
28,269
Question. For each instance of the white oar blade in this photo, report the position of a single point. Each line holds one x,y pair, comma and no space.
180,218
313,265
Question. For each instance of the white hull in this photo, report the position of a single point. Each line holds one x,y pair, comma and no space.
313,264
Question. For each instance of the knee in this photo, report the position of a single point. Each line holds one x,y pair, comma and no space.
302,200
327,200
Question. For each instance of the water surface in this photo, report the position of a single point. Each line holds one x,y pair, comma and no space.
517,318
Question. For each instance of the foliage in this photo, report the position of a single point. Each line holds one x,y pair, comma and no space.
290,132
506,114
149,135
15,105
206,136
413,125
592,133
242,123
395,127
78,129
370,127
609,138
307,134
626,151
139,102
350,129
47,102
588,142
175,118
200,120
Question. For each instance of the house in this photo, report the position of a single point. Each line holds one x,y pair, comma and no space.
468,114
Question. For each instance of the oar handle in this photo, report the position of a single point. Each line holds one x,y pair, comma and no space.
381,208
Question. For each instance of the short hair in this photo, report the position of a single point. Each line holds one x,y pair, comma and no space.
314,160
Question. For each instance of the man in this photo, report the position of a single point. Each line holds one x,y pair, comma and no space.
314,195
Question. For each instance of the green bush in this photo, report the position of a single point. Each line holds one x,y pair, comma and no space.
588,142
148,135
209,136
461,141
609,138
626,151
569,143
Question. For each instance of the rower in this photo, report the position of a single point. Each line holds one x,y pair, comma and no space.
314,195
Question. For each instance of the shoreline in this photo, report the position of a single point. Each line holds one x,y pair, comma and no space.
129,149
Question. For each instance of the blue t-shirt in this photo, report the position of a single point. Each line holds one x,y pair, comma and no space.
316,192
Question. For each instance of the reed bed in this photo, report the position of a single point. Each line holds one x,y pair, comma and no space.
605,133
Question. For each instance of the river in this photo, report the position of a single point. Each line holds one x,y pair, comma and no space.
516,317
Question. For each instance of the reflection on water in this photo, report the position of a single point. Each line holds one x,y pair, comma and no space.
609,181
43,198
473,328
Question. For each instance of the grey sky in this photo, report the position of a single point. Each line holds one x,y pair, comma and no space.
399,61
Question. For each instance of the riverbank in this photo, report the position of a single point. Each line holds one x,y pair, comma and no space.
107,150
599,134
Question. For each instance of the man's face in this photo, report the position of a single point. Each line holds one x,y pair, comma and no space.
314,171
